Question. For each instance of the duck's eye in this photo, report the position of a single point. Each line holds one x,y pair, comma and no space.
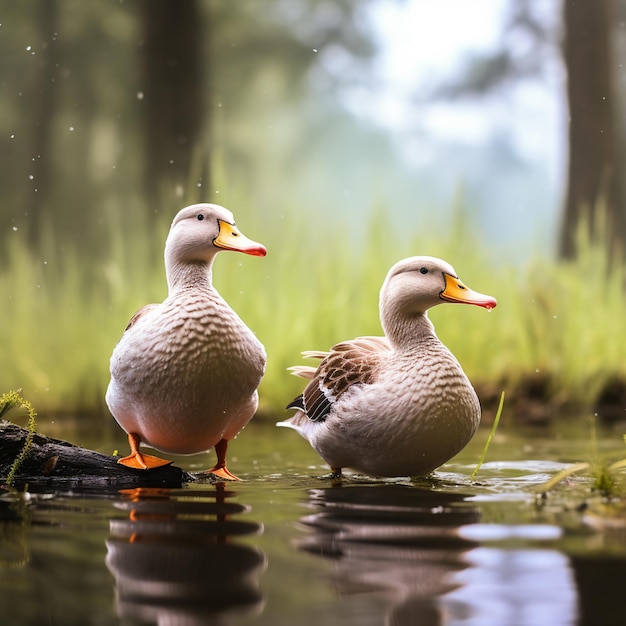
423,270
200,216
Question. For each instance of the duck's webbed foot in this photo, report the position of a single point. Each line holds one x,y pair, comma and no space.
219,469
137,460
335,472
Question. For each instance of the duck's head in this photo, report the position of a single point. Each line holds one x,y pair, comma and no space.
419,283
200,231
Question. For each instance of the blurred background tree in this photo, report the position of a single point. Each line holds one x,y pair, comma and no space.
98,98
139,103
588,38
494,125
593,190
174,93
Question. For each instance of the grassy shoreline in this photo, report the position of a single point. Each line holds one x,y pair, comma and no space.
554,340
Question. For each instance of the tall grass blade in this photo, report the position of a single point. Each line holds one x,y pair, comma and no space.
496,421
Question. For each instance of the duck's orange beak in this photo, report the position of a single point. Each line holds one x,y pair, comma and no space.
456,291
230,238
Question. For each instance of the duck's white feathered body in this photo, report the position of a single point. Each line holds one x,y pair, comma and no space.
396,405
187,376
184,375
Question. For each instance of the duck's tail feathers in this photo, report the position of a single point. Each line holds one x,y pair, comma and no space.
296,403
302,371
314,354
297,422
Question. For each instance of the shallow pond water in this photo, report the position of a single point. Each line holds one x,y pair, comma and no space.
288,545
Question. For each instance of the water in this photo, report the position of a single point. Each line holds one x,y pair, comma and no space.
289,546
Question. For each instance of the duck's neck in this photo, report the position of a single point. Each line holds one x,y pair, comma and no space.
406,332
197,275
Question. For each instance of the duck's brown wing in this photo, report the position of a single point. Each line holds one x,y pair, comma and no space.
348,363
142,311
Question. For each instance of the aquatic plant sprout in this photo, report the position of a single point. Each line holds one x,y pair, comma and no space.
13,400
603,474
496,421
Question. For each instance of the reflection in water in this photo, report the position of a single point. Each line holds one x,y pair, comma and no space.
426,553
14,532
508,585
600,580
174,560
396,540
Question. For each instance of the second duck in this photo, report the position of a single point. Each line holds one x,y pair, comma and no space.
399,405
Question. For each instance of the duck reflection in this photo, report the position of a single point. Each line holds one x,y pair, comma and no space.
396,540
174,559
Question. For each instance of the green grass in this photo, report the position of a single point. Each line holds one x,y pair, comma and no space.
63,311
607,476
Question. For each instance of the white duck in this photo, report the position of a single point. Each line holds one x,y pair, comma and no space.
398,405
185,373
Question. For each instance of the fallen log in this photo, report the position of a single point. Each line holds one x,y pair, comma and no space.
56,464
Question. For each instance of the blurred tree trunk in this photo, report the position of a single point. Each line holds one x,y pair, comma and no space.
173,96
44,114
593,184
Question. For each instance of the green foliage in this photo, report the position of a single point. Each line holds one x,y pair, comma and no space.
604,474
13,400
63,311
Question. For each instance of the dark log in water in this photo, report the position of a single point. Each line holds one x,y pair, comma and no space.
58,464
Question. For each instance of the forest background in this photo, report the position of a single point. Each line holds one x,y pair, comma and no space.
343,135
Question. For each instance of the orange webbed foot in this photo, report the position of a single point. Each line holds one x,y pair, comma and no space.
137,460
220,470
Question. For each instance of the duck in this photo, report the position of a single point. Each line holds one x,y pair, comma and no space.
185,373
399,404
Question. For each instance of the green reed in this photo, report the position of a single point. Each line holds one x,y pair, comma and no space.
63,311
